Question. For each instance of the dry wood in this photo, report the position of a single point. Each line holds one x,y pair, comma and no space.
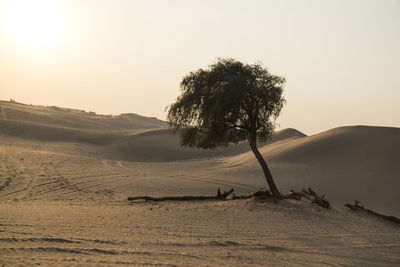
310,195
358,207
256,194
184,198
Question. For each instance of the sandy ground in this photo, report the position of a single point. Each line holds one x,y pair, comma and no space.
70,209
230,233
65,177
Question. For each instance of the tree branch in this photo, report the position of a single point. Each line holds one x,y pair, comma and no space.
219,196
358,207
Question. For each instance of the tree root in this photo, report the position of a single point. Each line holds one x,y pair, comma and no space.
358,207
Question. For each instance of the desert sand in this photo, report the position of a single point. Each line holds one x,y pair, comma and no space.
65,176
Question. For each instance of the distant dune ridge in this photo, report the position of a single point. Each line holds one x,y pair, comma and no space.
74,119
344,163
125,137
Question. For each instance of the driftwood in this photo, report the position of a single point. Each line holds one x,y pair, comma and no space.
219,196
310,195
358,207
256,194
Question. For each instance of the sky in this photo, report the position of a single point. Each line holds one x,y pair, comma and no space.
341,58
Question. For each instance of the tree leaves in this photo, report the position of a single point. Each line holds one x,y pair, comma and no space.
227,103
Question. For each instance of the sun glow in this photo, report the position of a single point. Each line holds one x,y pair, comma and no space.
38,24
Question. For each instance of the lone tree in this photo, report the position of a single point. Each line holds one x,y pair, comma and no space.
228,103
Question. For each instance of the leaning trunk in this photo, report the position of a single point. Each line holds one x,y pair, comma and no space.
267,173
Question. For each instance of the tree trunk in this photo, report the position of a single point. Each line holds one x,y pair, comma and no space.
267,173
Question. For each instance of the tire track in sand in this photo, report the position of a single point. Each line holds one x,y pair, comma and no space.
23,173
8,180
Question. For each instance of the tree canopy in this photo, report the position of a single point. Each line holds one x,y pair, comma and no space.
227,103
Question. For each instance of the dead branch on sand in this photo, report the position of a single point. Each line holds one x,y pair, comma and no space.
308,194
358,207
219,196
256,194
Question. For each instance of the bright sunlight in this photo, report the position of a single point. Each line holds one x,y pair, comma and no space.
38,24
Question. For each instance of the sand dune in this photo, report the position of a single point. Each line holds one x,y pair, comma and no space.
346,163
163,145
129,145
70,119
65,176
128,137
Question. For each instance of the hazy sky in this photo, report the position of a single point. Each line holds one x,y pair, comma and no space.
341,59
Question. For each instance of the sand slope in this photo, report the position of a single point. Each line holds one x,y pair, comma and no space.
127,137
346,163
163,145
65,176
72,119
